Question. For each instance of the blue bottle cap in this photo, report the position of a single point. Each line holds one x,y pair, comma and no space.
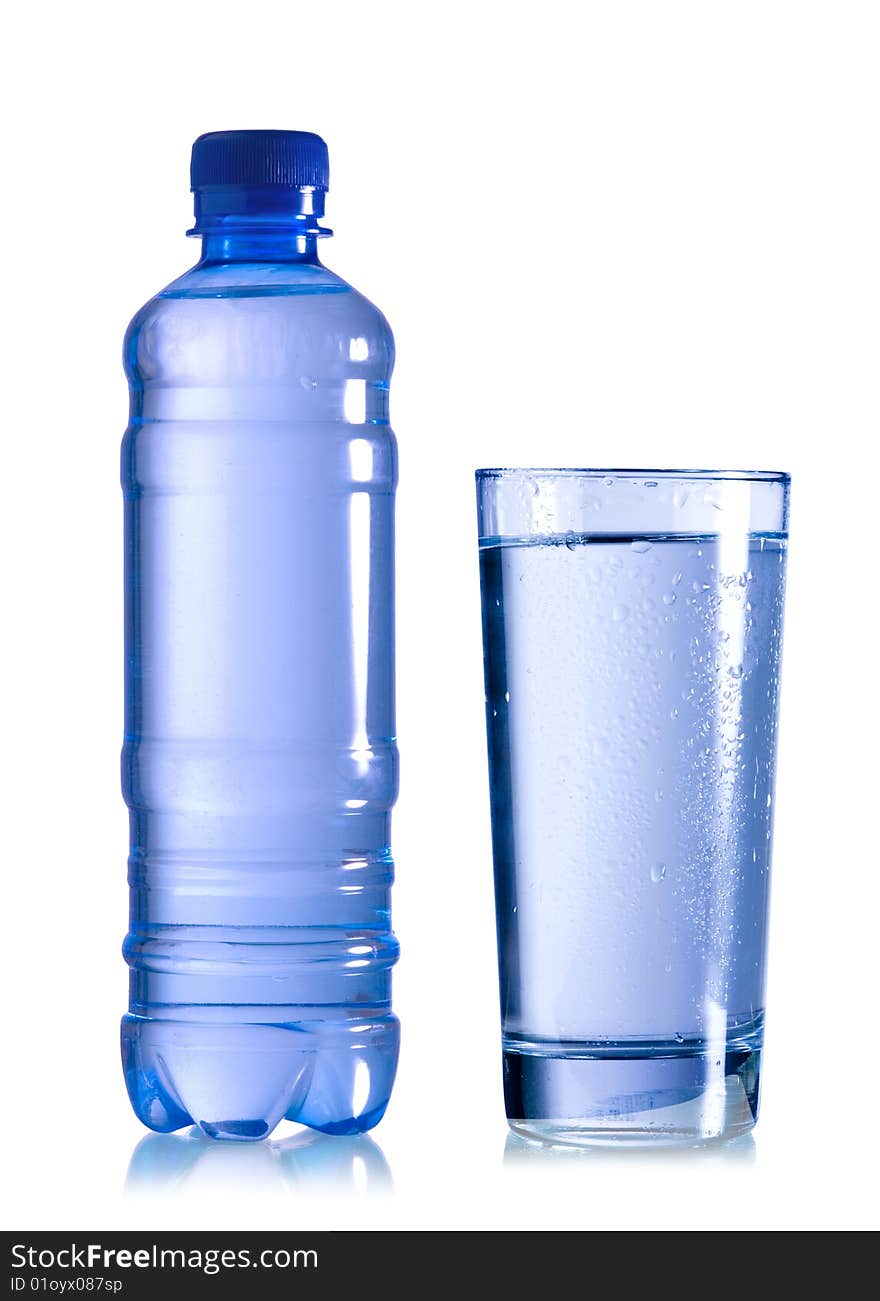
286,159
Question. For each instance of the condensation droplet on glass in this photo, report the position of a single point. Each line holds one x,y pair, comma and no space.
669,598
619,613
640,546
658,872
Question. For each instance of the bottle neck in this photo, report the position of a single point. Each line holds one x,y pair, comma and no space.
258,246
263,224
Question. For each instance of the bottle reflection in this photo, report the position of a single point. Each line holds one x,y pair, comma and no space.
306,1162
520,1152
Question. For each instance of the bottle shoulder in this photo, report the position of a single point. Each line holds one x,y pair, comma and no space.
254,280
256,320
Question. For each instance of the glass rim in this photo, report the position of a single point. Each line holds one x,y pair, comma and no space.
574,472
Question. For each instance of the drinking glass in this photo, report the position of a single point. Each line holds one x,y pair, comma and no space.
632,624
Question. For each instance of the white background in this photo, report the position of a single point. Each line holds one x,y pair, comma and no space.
612,233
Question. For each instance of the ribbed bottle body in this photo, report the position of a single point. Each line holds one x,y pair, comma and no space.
259,763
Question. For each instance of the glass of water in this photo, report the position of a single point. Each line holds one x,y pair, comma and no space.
632,624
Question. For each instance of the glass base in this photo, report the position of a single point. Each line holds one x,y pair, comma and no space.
589,1094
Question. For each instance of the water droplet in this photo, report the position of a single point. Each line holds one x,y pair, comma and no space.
640,546
658,795
608,481
679,1038
308,381
679,497
668,968
650,483
673,714
619,613
735,671
669,598
658,871
570,541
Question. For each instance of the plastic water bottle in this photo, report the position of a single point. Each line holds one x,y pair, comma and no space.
259,764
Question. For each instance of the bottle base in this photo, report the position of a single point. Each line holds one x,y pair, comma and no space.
589,1094
238,1081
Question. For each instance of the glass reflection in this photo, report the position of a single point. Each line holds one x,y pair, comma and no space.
519,1151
